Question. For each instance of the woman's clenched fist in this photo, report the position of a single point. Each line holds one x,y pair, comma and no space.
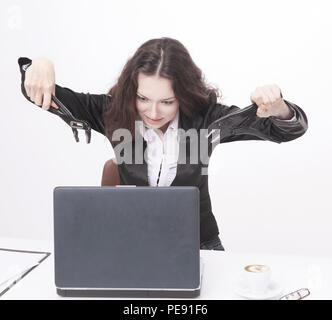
39,83
270,102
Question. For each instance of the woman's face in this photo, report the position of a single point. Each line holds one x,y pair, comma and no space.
155,101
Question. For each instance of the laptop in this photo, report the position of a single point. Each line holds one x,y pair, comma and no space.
127,241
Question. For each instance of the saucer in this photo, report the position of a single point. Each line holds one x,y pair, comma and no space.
273,290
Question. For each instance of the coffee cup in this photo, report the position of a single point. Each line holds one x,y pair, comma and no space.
257,277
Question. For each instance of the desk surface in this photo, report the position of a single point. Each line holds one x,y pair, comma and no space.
221,271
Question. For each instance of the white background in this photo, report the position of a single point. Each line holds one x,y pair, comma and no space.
267,197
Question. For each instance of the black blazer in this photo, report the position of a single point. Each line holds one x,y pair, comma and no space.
241,124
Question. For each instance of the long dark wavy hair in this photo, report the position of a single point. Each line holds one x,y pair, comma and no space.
165,57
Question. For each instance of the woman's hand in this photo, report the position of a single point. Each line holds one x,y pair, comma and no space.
270,103
39,83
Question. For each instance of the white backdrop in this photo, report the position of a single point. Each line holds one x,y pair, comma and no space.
266,197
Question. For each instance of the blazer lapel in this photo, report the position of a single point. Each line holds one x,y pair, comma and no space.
135,173
185,172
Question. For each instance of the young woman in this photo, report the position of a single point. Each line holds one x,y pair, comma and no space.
161,88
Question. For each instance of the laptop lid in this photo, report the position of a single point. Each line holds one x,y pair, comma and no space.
126,237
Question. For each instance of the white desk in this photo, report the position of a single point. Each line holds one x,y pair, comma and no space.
221,270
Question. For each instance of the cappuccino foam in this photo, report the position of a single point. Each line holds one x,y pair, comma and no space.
257,268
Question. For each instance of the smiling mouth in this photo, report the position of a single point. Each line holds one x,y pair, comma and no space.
154,119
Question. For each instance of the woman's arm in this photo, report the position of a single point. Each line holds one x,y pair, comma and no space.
38,84
278,121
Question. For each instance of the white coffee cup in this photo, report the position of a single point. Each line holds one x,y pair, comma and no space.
257,277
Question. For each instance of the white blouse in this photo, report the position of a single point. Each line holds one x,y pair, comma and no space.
162,153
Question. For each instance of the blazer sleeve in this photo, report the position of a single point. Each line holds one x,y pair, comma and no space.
83,106
252,127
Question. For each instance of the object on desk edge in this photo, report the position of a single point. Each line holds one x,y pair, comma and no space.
296,295
13,280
